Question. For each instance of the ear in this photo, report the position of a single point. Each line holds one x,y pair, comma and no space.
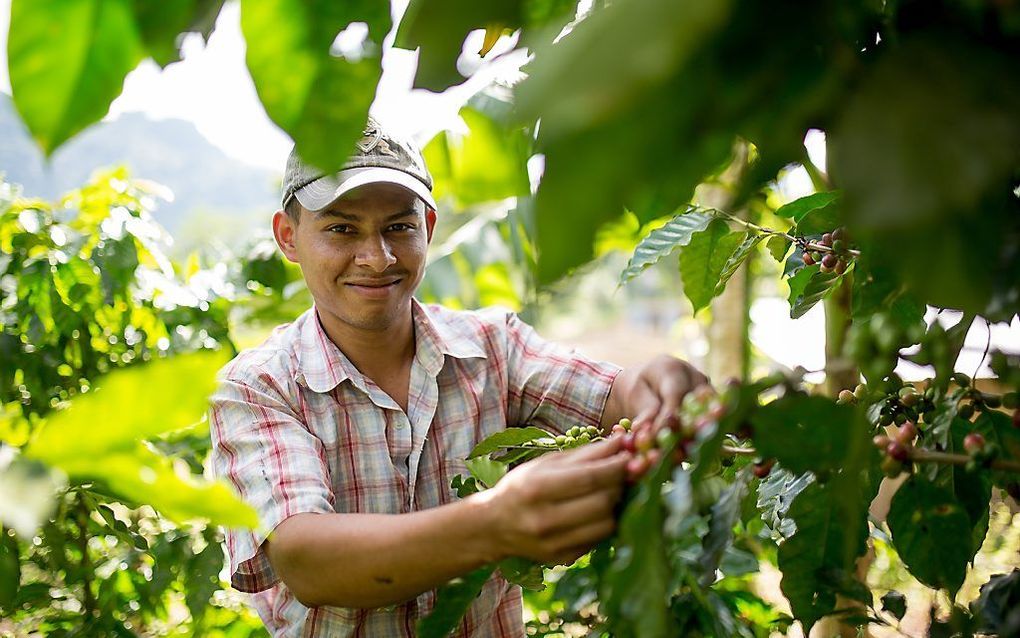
285,232
430,221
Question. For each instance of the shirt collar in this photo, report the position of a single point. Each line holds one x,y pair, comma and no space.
322,366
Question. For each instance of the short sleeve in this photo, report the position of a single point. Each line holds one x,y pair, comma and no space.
552,386
276,464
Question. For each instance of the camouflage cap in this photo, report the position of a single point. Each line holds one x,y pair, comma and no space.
379,157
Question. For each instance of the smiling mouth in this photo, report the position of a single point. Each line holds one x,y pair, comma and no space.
373,284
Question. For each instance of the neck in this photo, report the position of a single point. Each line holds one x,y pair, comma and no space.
378,354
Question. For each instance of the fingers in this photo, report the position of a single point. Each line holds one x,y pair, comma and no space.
568,481
584,510
578,541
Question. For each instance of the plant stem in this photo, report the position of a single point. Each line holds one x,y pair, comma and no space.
807,245
914,454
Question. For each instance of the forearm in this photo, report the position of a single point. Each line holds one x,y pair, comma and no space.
375,560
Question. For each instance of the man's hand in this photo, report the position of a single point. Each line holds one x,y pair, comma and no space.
557,507
652,393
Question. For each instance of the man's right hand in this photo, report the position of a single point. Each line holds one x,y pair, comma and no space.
557,507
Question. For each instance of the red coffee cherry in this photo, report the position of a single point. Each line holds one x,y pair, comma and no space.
897,450
973,443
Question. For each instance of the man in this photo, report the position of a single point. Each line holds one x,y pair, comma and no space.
346,426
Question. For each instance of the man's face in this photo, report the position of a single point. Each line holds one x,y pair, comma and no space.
362,257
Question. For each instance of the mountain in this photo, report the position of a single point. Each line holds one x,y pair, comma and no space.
211,189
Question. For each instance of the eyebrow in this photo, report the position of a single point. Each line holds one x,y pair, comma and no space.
330,212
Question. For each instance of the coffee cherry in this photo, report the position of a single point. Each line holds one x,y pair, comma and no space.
574,431
625,423
825,269
830,260
881,441
900,419
909,396
961,379
840,267
808,260
570,441
584,437
993,401
839,234
860,392
838,245
816,256
845,397
644,440
973,443
897,450
763,468
907,433
592,431
966,411
827,239
561,440
885,419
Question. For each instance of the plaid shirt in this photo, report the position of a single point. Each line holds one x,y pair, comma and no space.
297,428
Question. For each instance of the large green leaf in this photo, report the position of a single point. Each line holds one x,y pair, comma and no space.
725,514
971,489
831,532
798,209
817,287
439,27
162,24
321,100
487,164
452,602
931,532
828,437
662,241
129,405
67,61
703,259
634,587
509,436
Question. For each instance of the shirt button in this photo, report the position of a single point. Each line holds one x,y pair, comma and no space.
400,425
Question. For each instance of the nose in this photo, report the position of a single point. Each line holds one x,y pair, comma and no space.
374,253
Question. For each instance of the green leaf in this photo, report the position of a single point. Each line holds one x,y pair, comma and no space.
509,436
319,99
778,247
521,571
126,406
67,62
998,427
163,24
452,602
703,260
816,288
744,250
486,470
801,208
829,437
633,594
725,514
973,490
662,241
832,532
439,27
10,569
487,164
78,284
203,580
927,521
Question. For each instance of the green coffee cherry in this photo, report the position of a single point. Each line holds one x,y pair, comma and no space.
961,379
561,440
966,411
584,437
626,423
574,431
592,431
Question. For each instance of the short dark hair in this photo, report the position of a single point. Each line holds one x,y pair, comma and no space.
293,209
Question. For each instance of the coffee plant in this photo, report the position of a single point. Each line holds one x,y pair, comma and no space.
108,354
642,103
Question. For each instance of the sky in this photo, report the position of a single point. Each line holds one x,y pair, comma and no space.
211,88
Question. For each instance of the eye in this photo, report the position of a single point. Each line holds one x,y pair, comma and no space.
343,229
399,227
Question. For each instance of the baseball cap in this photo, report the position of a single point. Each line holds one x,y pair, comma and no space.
379,157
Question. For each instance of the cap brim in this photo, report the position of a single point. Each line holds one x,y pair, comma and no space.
322,192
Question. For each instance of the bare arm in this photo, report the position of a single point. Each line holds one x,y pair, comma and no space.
552,510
